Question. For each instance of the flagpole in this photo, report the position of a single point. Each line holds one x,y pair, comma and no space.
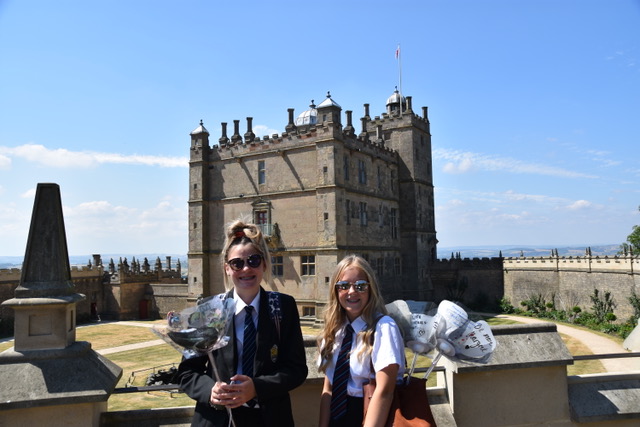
399,69
399,58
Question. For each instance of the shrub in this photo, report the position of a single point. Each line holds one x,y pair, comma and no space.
602,306
505,306
535,304
635,303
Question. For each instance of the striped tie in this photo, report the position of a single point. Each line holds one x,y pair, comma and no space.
249,343
341,377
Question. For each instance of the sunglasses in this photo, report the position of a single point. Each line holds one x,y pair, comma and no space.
253,261
359,285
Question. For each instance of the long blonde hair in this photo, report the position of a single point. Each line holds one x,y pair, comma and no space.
335,316
239,232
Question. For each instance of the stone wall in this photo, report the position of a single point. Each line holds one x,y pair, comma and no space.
571,280
477,283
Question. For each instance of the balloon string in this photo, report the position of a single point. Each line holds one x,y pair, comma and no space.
217,375
433,365
413,364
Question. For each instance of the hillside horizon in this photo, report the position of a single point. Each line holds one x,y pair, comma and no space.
488,251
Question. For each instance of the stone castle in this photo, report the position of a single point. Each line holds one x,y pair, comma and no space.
321,190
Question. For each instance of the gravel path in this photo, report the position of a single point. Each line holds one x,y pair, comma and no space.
596,343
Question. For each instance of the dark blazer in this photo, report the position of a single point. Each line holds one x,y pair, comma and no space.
273,379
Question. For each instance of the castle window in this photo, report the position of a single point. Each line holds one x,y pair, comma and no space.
362,172
277,266
379,179
363,213
380,216
308,311
380,267
393,223
348,208
308,265
392,180
397,269
345,166
262,173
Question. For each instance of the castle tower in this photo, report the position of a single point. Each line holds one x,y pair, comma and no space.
199,244
320,191
47,375
409,135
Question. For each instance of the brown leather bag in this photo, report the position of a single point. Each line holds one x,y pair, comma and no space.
410,406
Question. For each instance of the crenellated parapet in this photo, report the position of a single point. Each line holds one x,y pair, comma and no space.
299,138
457,263
628,264
136,271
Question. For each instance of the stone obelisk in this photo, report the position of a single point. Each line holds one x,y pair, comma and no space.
49,377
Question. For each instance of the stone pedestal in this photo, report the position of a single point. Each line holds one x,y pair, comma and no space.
47,377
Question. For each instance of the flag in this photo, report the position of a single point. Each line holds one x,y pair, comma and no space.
398,52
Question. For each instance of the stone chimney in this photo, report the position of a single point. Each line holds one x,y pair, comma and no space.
224,139
291,127
236,138
249,135
48,375
349,129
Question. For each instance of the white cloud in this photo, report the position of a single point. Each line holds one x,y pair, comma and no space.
579,204
5,162
465,161
29,194
63,158
102,226
261,130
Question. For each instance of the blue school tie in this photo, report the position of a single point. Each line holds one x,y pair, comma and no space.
249,343
341,377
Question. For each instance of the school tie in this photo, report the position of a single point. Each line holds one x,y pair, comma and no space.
249,343
341,377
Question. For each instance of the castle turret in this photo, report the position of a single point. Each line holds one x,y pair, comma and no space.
329,111
308,118
199,137
396,103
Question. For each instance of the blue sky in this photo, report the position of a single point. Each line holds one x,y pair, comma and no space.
534,107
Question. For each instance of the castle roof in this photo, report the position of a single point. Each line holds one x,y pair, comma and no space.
308,117
199,129
395,98
328,102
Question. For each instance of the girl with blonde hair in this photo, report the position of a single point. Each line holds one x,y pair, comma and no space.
265,357
358,335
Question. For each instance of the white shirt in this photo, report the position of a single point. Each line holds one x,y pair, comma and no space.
388,348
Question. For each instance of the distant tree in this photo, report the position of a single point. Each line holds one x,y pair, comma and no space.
633,241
